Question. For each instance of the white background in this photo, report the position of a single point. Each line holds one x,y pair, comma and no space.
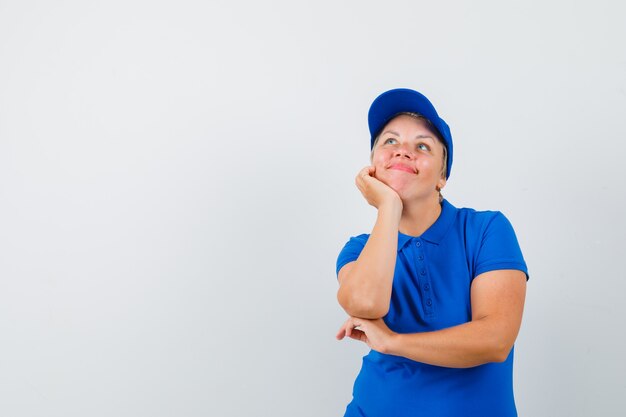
177,179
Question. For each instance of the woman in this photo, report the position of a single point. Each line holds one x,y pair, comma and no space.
436,292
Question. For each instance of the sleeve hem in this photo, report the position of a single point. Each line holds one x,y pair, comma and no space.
502,265
343,263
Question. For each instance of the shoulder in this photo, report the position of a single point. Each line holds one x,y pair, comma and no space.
480,229
357,241
490,241
477,221
351,250
362,238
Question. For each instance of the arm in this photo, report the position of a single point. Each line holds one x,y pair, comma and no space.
497,299
365,284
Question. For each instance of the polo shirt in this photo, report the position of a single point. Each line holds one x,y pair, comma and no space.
431,291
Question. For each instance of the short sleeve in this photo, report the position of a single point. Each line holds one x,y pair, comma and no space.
499,248
351,250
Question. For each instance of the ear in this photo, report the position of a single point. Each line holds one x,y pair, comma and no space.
441,183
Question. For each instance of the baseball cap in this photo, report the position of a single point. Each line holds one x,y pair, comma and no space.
392,102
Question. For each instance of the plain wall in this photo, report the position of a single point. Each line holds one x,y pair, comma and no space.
177,179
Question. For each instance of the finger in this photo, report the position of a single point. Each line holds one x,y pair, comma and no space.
349,330
354,327
359,335
343,330
356,322
365,176
359,183
366,171
358,180
341,333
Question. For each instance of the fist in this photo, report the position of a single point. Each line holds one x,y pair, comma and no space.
376,192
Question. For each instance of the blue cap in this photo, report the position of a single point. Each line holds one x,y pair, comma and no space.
390,103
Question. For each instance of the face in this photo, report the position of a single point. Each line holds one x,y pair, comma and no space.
409,158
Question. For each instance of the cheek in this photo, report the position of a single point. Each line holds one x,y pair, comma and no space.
380,173
429,164
378,160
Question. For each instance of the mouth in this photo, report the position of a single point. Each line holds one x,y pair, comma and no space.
400,167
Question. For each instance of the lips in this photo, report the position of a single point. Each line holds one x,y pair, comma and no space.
401,167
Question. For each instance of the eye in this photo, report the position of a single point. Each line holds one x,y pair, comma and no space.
389,140
423,147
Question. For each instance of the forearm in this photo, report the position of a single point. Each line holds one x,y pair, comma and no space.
463,346
366,290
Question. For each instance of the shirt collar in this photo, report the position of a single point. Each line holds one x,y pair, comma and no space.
437,231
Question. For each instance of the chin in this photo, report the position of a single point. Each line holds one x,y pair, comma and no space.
400,184
401,188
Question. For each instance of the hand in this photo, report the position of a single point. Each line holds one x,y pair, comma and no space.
376,192
374,333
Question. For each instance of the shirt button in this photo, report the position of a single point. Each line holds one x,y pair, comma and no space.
418,244
429,302
423,272
426,287
420,257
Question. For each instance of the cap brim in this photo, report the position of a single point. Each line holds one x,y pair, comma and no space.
400,100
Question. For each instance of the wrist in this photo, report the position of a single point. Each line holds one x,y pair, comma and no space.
392,346
392,207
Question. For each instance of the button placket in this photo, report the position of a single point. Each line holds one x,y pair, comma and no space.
424,282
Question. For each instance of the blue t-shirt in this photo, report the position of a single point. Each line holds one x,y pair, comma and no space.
431,291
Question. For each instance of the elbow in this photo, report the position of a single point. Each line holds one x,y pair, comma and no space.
500,351
362,307
371,312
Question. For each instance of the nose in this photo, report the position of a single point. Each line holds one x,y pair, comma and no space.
404,151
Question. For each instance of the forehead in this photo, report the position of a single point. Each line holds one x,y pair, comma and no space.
407,122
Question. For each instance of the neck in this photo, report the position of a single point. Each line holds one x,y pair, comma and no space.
418,217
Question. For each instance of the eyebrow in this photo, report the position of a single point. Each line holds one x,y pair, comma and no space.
416,137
